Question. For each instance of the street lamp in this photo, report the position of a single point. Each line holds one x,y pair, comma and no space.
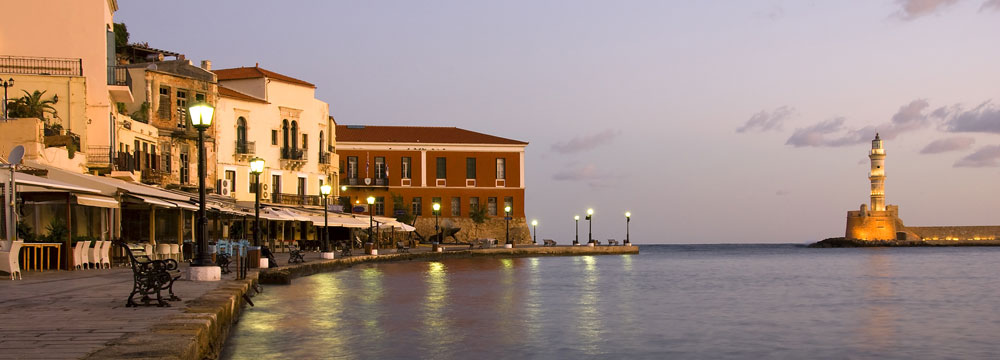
256,168
628,219
202,268
576,240
371,219
6,84
506,211
590,226
437,214
327,253
534,226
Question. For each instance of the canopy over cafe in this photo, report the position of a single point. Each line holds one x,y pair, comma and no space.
57,208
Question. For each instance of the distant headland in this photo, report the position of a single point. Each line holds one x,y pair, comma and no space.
880,225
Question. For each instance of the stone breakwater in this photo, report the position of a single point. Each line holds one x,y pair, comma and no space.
284,275
851,243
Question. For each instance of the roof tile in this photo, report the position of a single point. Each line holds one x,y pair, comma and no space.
257,72
418,134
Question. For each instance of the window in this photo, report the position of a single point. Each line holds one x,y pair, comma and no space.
284,134
302,186
274,137
241,136
275,185
321,145
501,168
252,184
199,97
509,201
352,167
182,120
168,161
145,155
295,134
231,176
473,204
417,206
380,205
442,168
491,205
470,168
380,167
456,206
404,172
305,141
164,110
184,167
152,157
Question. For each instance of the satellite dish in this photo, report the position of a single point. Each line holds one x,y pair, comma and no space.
16,155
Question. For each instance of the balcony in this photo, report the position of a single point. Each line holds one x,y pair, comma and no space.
154,176
324,158
25,65
98,156
245,149
293,159
120,83
383,182
296,199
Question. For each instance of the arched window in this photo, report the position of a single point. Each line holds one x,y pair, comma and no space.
241,130
321,149
295,135
284,134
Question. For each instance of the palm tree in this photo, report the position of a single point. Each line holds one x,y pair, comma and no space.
31,105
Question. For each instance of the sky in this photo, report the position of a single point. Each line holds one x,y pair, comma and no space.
711,121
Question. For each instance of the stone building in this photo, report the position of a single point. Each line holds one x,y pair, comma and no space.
881,222
163,91
408,169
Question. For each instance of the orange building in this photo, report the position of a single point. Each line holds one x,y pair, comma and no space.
418,166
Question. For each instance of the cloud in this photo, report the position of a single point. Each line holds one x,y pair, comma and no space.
765,121
912,9
990,5
833,133
987,156
584,143
588,174
949,144
983,118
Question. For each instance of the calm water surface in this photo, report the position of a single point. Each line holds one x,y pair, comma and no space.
676,301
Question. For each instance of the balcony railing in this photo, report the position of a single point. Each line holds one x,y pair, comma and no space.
349,181
324,158
126,161
361,182
294,154
296,199
118,75
381,182
99,155
154,176
246,147
41,66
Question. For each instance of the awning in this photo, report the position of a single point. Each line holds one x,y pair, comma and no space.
97,201
154,201
50,184
184,205
290,215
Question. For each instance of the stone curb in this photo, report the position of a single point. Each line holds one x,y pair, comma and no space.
197,333
284,275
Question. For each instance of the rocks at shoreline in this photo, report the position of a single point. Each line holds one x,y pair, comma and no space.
840,242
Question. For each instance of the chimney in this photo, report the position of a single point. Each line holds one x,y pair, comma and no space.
207,65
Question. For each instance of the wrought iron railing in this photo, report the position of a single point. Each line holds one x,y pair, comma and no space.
296,199
27,65
118,75
324,158
98,155
293,154
246,147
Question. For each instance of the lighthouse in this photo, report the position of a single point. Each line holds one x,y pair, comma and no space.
877,174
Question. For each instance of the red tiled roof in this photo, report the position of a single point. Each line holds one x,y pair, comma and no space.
230,93
418,134
256,72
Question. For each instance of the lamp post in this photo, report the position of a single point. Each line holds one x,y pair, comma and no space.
327,252
590,226
534,227
576,240
506,211
256,168
6,84
202,268
628,219
371,220
437,229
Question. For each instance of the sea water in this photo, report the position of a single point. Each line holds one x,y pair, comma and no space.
668,302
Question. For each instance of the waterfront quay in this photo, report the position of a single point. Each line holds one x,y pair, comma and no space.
82,314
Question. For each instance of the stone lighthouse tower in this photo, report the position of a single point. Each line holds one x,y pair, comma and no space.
877,174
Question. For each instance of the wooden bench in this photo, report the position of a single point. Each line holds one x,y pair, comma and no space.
612,242
401,247
150,277
295,256
548,242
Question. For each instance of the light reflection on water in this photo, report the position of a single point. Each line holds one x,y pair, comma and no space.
668,302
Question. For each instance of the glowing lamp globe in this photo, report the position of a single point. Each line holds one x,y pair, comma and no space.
371,200
534,222
325,189
256,165
506,209
436,206
576,217
201,114
628,214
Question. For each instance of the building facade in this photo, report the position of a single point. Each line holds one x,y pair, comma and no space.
265,114
408,169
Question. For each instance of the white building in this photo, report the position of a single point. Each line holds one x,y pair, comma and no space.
264,114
